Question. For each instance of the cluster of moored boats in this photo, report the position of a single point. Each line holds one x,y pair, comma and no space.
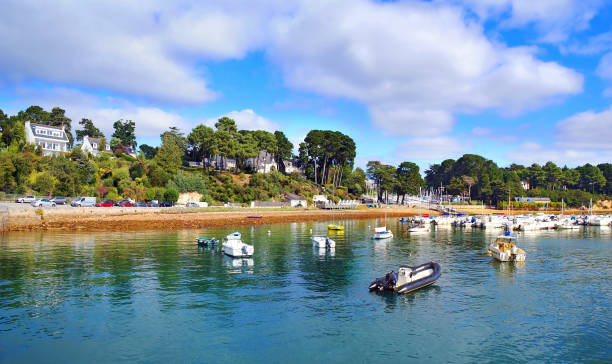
527,222
503,248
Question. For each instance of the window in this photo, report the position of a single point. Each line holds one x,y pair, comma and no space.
94,145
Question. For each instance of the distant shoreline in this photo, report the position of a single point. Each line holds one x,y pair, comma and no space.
138,219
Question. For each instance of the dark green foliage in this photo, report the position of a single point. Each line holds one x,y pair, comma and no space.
171,195
125,132
148,151
88,129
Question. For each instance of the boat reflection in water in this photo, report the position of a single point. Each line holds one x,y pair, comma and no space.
323,251
239,265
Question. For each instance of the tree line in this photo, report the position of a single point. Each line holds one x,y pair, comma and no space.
476,177
166,166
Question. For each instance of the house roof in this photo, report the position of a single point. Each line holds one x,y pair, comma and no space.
63,138
293,196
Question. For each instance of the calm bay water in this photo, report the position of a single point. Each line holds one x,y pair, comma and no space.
157,297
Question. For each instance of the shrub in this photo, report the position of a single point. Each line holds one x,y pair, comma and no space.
171,195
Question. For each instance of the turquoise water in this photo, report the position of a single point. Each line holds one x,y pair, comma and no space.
157,297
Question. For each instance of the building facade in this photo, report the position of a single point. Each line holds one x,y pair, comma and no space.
91,145
52,139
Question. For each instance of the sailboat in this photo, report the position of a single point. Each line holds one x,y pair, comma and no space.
381,232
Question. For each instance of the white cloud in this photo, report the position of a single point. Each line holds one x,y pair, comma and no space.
604,70
402,58
150,121
430,148
586,130
532,152
246,120
553,19
599,43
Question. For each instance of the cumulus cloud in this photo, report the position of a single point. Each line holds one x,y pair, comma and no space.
596,44
403,58
103,111
246,120
553,19
586,130
430,148
532,152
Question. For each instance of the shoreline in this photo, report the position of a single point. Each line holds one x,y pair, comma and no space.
140,219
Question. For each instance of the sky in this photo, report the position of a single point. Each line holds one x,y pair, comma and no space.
516,81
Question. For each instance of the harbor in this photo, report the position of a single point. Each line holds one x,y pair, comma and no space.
158,292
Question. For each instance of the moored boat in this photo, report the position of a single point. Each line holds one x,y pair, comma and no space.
381,233
323,242
234,247
335,227
504,249
206,241
419,229
408,279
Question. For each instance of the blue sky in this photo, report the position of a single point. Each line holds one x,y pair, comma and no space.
513,80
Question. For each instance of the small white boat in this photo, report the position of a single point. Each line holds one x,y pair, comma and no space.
504,249
419,229
381,233
234,247
323,242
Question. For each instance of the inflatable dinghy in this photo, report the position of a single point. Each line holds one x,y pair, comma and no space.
206,241
407,279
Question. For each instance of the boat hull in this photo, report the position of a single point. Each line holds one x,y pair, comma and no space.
323,242
423,282
237,249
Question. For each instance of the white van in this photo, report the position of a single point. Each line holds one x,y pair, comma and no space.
83,202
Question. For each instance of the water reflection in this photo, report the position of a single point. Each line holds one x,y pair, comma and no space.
158,295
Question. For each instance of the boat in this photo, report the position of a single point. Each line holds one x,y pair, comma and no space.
417,229
206,241
254,216
234,247
504,249
381,233
323,242
408,278
335,227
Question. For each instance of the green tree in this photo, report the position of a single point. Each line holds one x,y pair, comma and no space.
284,150
168,157
409,179
553,175
148,151
201,143
456,186
171,195
58,118
44,183
125,132
102,144
88,129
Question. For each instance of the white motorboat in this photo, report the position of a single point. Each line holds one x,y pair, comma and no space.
234,247
504,249
419,229
381,233
323,242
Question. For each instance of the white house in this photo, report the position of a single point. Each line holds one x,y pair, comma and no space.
525,185
263,163
52,139
295,200
319,199
91,145
290,167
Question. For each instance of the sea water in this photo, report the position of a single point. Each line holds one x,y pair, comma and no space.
158,297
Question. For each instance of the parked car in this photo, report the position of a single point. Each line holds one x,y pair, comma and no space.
125,203
106,203
166,204
43,202
140,204
153,203
192,204
82,201
59,200
26,199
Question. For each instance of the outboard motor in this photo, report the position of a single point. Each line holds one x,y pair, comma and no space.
327,244
244,250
